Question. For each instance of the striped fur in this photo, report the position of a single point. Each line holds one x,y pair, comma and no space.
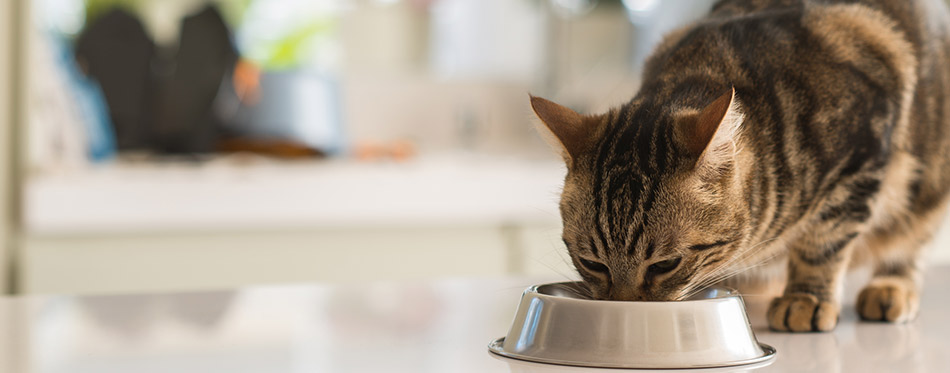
809,132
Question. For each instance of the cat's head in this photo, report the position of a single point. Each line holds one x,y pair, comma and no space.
652,202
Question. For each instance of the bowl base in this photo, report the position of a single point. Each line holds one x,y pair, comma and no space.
496,347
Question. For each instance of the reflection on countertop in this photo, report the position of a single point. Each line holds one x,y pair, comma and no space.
440,326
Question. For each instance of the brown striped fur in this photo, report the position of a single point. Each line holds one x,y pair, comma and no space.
808,132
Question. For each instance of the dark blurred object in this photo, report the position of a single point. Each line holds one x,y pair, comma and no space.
167,105
206,57
116,51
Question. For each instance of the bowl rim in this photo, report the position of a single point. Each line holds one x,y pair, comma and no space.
497,347
535,289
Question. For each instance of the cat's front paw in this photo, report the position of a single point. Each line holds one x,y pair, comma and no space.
801,312
888,299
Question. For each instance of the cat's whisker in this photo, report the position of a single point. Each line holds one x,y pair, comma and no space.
565,276
721,273
752,295
566,261
726,275
714,276
707,279
723,276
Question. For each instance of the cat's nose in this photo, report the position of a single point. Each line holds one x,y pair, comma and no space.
626,287
625,294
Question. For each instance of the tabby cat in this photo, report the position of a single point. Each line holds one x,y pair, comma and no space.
808,132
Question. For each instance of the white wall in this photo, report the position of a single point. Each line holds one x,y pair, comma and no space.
11,347
6,86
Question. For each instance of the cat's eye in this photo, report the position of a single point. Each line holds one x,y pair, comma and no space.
665,266
710,246
593,266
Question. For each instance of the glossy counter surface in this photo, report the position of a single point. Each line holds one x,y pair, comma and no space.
441,326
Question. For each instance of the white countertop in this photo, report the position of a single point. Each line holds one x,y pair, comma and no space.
441,326
230,194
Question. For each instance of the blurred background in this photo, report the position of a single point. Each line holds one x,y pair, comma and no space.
160,145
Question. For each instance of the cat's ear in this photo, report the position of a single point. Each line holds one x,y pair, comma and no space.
711,135
571,133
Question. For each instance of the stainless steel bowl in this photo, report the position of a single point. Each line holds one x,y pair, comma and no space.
556,324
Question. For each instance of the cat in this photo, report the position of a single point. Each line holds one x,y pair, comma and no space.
809,133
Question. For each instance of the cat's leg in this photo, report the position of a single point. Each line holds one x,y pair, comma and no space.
892,293
819,255
817,262
897,249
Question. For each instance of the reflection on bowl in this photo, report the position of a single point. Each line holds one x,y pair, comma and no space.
555,323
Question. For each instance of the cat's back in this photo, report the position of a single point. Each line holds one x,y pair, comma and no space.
892,54
920,20
832,48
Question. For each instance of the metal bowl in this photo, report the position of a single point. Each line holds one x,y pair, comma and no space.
556,324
